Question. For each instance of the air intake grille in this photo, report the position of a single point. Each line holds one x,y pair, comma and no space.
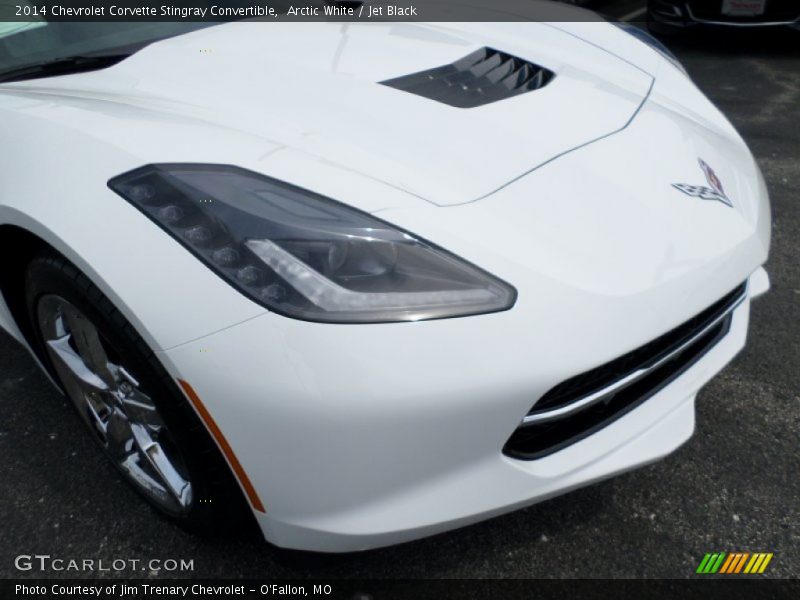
483,77
588,402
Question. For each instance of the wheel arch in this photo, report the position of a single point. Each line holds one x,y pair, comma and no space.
19,246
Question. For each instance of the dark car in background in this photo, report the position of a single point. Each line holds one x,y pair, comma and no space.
666,16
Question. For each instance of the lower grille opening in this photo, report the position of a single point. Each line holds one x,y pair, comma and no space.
588,402
774,10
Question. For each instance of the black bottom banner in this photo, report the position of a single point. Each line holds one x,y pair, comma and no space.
701,589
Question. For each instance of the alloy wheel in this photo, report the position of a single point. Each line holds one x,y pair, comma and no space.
121,415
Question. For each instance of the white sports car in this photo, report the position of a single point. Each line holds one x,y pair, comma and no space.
370,282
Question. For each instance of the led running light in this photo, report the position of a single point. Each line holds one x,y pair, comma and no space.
306,256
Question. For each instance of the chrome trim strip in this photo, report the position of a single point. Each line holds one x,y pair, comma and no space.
735,24
633,377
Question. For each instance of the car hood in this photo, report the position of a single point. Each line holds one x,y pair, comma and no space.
318,93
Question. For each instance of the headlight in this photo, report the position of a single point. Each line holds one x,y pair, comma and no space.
653,42
306,256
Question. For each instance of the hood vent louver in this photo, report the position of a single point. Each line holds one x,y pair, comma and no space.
483,77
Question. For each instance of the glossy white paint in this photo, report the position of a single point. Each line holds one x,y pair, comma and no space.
366,435
759,283
321,98
376,435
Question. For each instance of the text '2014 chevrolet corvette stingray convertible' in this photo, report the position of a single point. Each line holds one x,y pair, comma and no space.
370,282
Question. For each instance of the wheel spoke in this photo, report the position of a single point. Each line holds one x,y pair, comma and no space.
131,465
67,358
97,413
153,453
140,409
90,348
119,437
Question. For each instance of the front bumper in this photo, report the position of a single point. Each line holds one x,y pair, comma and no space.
360,437
670,15
356,437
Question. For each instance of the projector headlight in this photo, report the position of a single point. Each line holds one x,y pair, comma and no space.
306,256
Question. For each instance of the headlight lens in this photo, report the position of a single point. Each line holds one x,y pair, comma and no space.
306,256
652,41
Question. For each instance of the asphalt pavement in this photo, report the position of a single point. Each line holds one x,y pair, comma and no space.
733,486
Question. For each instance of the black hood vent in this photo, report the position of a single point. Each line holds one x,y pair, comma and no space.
483,77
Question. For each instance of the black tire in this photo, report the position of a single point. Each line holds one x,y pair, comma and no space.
218,506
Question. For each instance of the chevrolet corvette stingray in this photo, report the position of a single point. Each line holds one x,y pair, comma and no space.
367,282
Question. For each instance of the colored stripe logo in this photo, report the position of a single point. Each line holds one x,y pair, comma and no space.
734,563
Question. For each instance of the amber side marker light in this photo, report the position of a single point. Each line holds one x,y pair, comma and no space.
212,426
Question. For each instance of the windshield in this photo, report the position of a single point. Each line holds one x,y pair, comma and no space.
39,42
27,44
